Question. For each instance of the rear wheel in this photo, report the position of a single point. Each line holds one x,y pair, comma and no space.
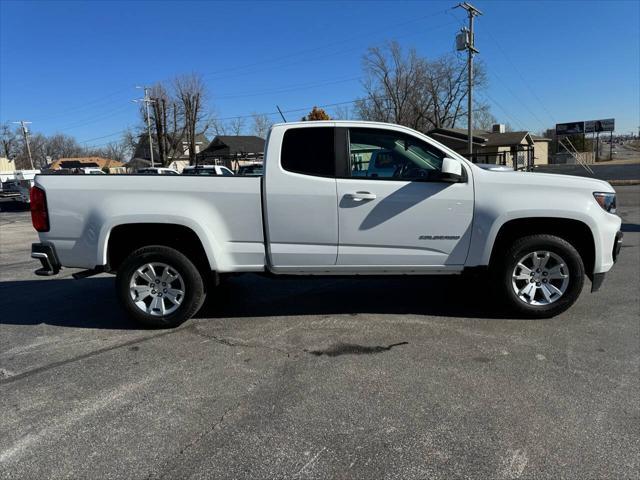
540,275
159,287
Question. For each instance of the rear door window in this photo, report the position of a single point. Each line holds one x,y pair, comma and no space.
309,151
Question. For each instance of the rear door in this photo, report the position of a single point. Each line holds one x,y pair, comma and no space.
299,197
400,211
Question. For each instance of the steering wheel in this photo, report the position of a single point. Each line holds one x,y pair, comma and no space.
410,171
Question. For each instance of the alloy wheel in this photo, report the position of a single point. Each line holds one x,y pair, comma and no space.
157,289
540,278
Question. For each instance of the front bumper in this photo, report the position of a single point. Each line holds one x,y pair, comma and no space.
598,278
46,253
617,245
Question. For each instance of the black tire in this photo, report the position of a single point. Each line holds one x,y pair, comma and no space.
191,301
504,271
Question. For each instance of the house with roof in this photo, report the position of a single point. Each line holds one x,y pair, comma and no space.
233,151
520,150
72,163
142,154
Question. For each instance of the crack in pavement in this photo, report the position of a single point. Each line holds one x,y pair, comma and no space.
163,470
334,350
94,353
235,343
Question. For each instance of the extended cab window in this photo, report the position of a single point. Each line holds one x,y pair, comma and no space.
309,151
385,154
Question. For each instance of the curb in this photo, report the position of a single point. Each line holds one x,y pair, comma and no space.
624,182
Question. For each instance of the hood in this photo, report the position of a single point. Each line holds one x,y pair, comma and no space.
548,180
493,167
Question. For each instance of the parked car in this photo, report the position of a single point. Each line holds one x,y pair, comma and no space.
10,188
91,171
215,170
25,180
252,170
535,236
157,171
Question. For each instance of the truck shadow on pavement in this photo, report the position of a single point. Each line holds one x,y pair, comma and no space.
91,303
254,296
13,206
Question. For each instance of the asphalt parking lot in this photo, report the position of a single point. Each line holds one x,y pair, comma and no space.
372,378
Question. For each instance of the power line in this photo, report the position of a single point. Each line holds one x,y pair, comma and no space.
291,89
322,47
520,100
507,114
119,132
87,105
521,77
95,119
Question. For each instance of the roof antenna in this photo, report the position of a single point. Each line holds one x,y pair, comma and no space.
280,112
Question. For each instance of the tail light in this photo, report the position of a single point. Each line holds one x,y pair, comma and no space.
39,215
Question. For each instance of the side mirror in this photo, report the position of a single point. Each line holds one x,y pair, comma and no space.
451,170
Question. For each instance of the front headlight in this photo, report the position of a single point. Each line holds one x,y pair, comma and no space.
606,201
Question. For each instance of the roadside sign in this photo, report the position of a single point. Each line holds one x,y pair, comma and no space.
605,125
590,126
570,128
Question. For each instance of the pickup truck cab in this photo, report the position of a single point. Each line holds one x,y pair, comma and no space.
169,239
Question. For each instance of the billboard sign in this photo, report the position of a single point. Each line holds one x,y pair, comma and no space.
604,125
590,126
570,128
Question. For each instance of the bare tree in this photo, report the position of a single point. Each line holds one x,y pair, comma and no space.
410,90
236,126
261,125
483,119
169,123
191,94
343,112
10,140
395,87
61,146
116,151
447,87
130,139
217,125
38,143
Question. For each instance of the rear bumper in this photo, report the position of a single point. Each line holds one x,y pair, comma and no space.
46,253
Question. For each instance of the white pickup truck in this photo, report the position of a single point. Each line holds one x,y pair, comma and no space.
320,210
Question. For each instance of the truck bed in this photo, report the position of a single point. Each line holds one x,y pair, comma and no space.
226,211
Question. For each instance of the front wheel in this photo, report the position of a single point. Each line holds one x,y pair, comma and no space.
540,276
159,287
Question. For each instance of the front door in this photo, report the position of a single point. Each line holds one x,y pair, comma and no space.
394,207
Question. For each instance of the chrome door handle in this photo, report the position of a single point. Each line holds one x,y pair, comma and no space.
359,196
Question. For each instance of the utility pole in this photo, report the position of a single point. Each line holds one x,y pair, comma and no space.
25,133
470,47
147,101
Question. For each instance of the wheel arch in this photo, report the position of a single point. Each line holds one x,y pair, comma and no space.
124,238
576,232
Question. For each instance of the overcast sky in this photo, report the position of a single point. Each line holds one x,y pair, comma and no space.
72,67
